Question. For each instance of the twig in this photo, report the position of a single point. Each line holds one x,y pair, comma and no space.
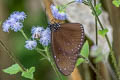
10,54
108,41
92,67
95,70
96,28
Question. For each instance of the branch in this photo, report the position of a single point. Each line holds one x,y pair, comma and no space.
10,54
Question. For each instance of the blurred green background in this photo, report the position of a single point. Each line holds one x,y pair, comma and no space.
15,41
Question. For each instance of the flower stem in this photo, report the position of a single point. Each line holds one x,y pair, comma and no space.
52,63
23,33
70,2
10,54
108,41
39,51
48,57
96,28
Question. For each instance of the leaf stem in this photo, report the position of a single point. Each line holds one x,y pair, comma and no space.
23,33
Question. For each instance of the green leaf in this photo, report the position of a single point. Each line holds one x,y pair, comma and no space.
116,3
98,59
97,9
79,61
29,73
85,50
14,69
103,32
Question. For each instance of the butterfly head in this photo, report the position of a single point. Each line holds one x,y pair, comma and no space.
54,27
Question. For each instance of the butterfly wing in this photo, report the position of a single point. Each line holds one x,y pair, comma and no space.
66,44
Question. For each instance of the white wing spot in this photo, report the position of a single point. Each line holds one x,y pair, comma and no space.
69,57
79,45
58,60
72,49
64,68
81,39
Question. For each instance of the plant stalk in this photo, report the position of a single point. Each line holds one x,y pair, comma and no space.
10,54
53,64
108,41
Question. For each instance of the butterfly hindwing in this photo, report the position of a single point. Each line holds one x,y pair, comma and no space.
66,44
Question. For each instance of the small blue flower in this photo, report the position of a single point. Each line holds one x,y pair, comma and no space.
36,31
45,37
79,1
60,15
19,16
30,45
17,26
6,26
14,22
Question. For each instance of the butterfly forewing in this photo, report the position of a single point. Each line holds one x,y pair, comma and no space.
66,44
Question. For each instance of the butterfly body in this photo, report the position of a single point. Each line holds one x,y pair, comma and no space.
66,40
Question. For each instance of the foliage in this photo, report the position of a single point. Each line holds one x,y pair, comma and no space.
15,68
116,3
97,9
29,73
103,32
84,53
85,50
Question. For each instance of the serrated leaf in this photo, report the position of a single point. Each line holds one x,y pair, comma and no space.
98,9
14,69
85,50
79,61
116,3
103,32
29,73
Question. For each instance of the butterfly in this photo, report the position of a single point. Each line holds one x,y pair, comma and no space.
66,42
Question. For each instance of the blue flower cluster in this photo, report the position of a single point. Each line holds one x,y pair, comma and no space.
30,44
59,11
44,36
36,32
60,15
14,22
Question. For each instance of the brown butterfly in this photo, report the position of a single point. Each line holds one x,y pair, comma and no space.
66,42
